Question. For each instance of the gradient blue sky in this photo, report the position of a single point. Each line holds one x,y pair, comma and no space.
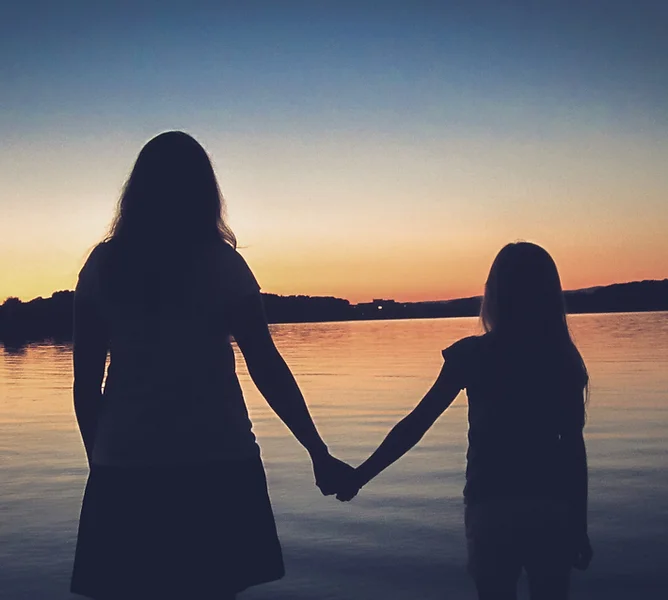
366,149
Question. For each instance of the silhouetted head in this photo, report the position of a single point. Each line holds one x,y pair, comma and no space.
523,292
524,306
171,196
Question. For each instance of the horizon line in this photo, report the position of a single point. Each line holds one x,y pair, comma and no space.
585,289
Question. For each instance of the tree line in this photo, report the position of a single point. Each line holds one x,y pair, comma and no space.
51,318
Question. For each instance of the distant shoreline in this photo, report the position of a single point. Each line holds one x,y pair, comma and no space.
371,320
51,318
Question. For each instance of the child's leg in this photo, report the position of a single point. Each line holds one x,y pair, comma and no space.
496,589
555,586
494,561
546,550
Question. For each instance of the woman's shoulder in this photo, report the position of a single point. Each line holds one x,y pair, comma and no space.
233,269
228,257
95,257
88,282
101,249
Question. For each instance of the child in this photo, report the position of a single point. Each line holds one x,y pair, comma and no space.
526,475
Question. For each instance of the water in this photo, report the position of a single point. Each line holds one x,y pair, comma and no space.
402,538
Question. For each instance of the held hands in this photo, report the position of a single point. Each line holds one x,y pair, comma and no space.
350,486
333,476
330,473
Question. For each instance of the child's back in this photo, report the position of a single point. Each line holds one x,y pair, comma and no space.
526,476
522,398
525,408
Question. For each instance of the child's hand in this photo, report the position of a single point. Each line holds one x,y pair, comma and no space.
349,486
583,553
330,473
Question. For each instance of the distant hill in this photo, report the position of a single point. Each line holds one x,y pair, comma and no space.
51,318
637,296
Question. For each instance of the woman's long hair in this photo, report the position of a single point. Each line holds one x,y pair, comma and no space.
170,211
524,305
171,197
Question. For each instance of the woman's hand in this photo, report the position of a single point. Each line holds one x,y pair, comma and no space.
330,473
350,487
583,553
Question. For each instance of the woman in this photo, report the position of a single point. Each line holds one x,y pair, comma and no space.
526,475
176,502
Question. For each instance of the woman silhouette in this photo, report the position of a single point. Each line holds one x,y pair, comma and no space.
176,502
526,475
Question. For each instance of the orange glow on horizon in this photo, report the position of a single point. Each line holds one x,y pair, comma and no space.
420,274
365,218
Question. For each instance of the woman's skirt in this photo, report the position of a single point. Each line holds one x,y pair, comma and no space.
196,531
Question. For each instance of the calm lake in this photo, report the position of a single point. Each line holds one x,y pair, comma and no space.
402,537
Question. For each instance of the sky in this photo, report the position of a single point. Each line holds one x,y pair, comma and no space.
365,149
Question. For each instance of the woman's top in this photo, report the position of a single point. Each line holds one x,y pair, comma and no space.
171,394
521,401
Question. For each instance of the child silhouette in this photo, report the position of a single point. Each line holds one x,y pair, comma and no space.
526,475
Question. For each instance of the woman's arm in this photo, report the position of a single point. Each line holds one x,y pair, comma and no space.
276,383
405,434
90,346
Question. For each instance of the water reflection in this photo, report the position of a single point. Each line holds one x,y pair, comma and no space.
402,538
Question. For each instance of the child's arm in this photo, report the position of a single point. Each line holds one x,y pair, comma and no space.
405,434
575,463
576,457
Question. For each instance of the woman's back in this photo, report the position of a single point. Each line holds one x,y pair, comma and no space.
192,516
171,394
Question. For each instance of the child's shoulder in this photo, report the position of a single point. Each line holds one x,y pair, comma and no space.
466,347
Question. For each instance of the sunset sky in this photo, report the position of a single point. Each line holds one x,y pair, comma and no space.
365,149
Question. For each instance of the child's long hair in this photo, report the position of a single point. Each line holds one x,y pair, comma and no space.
524,305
